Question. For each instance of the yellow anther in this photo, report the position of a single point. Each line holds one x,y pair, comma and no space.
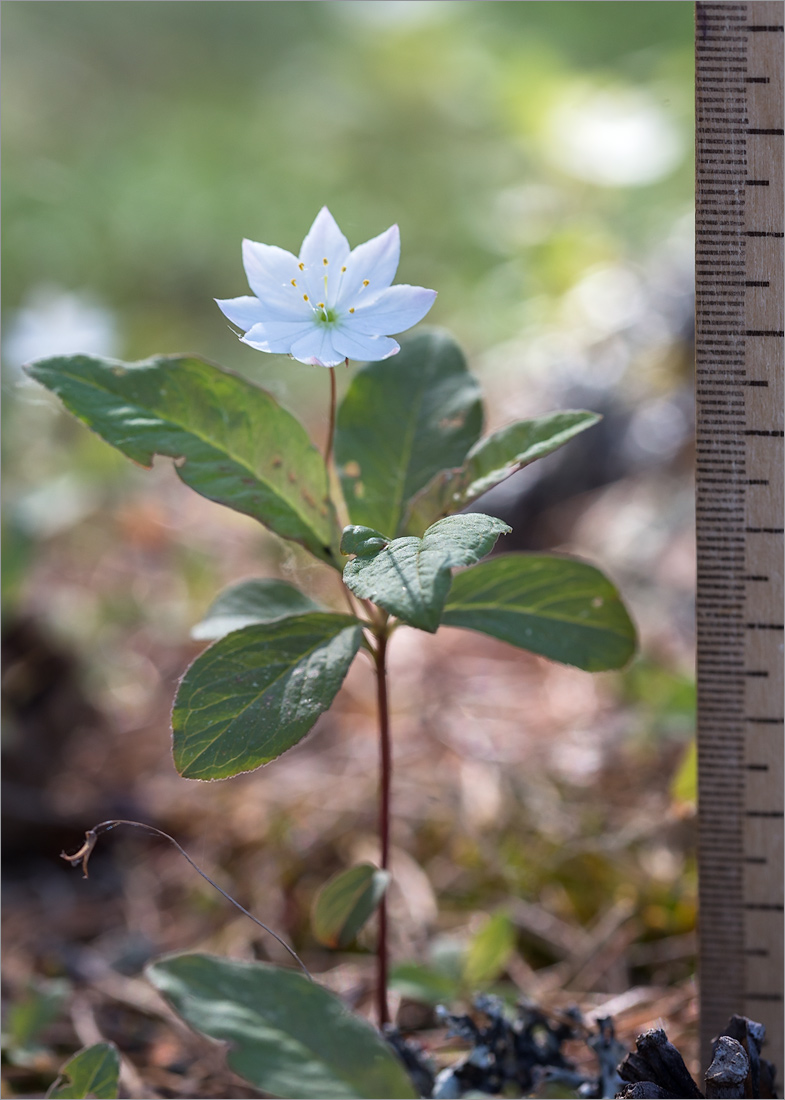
301,267
325,261
351,309
305,297
342,270
320,305
294,282
366,282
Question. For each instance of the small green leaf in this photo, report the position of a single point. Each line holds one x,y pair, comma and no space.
256,692
410,577
684,785
489,951
93,1072
362,541
491,461
558,607
345,902
231,440
37,1007
249,602
287,1036
424,984
402,421
508,450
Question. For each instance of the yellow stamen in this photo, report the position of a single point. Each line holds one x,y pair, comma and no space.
342,270
351,309
294,282
305,297
366,282
324,261
320,305
301,267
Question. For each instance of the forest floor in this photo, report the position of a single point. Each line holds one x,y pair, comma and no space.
520,787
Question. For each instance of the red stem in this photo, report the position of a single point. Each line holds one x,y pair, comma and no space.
385,762
328,447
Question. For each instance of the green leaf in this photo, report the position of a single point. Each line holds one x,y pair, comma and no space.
491,461
424,984
410,577
684,784
249,602
362,541
558,607
257,691
402,421
345,902
37,1007
287,1036
230,439
93,1072
489,951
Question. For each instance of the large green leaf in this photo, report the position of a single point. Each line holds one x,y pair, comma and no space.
255,601
491,461
558,607
257,691
401,421
231,440
410,577
93,1072
345,902
287,1036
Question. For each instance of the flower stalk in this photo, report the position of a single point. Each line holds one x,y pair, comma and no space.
385,777
328,447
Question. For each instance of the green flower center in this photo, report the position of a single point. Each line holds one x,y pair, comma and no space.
323,315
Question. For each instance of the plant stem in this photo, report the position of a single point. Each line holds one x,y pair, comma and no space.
328,447
385,775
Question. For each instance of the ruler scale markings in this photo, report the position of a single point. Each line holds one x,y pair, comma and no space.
739,329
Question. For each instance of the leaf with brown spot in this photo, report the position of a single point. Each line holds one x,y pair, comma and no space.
218,427
402,422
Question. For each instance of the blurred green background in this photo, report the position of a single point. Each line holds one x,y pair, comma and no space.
535,155
516,144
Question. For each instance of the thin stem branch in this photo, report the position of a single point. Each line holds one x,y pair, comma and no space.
385,775
91,836
328,447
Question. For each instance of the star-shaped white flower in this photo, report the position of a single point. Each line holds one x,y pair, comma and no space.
330,303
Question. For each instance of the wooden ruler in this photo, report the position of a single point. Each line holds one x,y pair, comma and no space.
739,469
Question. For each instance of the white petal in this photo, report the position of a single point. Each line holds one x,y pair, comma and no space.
324,241
312,281
376,261
278,336
317,348
365,349
243,312
395,309
269,271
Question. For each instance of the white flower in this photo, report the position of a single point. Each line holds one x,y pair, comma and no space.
330,303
